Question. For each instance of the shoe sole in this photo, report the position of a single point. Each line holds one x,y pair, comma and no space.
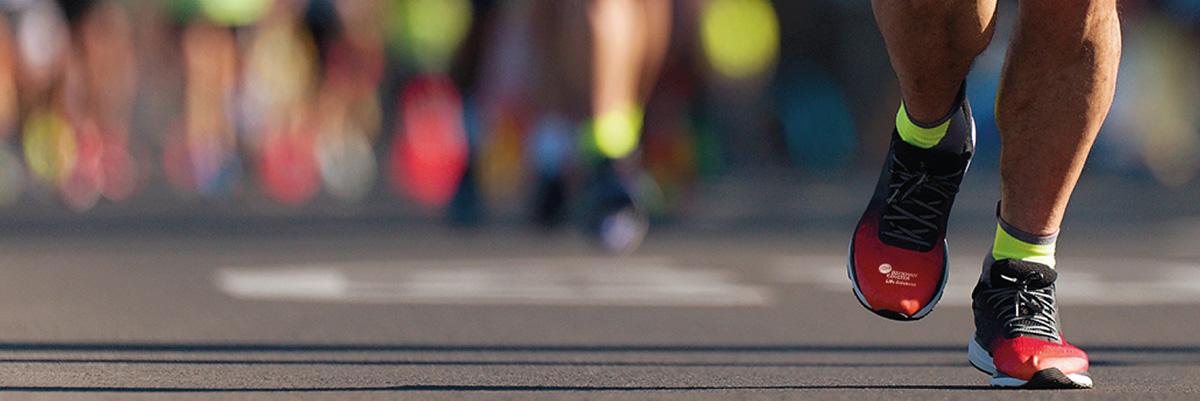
622,231
937,296
1045,379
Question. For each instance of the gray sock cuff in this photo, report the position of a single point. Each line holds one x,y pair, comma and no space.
958,101
1021,235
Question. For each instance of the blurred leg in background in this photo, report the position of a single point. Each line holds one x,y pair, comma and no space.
207,155
76,79
102,38
629,39
12,169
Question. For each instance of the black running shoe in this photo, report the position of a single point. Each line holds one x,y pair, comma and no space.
898,261
1017,337
614,219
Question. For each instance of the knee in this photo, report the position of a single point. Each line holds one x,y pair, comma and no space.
969,23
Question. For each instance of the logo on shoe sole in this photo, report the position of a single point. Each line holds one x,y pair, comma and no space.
897,277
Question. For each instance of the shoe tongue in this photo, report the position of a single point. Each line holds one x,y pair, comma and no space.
935,161
1010,273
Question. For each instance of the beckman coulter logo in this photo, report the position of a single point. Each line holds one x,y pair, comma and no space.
885,268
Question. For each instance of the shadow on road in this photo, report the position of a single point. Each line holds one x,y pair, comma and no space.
453,348
485,388
468,348
69,360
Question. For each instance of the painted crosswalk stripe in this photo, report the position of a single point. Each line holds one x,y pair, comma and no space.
600,281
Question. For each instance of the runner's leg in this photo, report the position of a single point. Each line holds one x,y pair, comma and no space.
932,44
1055,91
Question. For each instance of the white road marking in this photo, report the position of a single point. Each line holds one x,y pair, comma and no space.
1171,282
597,281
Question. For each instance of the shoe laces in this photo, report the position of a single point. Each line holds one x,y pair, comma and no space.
916,201
1024,311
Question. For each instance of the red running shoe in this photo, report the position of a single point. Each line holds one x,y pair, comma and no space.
898,262
1017,336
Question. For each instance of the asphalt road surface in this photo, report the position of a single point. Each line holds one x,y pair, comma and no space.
709,310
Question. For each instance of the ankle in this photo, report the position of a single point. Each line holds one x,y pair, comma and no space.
1011,243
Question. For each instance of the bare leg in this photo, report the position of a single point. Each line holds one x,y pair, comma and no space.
932,44
629,41
656,17
1056,89
618,50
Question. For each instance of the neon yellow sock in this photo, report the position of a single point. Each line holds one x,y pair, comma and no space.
1013,244
616,132
923,136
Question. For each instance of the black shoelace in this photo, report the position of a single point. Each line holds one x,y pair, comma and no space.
917,201
1024,311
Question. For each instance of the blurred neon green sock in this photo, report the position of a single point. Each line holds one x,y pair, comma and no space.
617,131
